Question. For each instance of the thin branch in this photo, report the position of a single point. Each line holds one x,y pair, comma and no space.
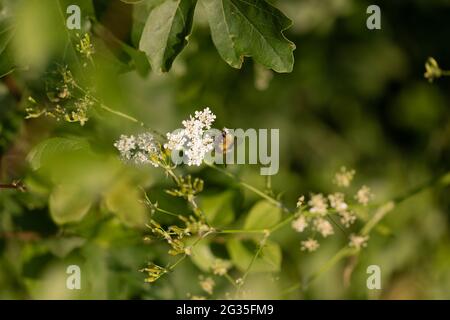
16,185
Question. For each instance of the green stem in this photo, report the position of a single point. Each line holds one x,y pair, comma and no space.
230,279
120,114
247,271
229,231
259,192
170,268
166,212
282,223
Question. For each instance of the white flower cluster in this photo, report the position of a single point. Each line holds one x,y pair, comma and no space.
193,140
317,210
344,177
139,149
310,245
337,202
364,195
317,213
207,284
357,241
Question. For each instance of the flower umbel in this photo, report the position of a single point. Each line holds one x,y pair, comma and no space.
207,284
299,224
357,241
323,227
220,267
193,140
344,177
310,245
140,149
318,204
364,195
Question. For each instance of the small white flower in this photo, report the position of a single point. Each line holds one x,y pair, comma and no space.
357,241
364,195
299,224
344,177
140,149
323,227
318,204
310,245
347,218
193,139
126,145
337,201
206,117
220,267
207,284
176,140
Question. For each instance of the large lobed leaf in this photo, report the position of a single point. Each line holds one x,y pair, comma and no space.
166,32
250,28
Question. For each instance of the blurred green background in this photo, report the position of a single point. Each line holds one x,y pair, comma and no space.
356,98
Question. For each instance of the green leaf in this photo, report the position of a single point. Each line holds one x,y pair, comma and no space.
7,64
124,200
268,260
61,247
219,208
263,215
166,31
250,28
134,58
69,203
202,256
47,149
137,59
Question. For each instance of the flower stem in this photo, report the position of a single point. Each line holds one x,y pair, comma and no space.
239,231
255,190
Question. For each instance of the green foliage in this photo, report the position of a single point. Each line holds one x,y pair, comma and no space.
242,253
239,29
354,97
47,149
219,208
124,200
166,32
69,203
250,29
203,257
263,215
